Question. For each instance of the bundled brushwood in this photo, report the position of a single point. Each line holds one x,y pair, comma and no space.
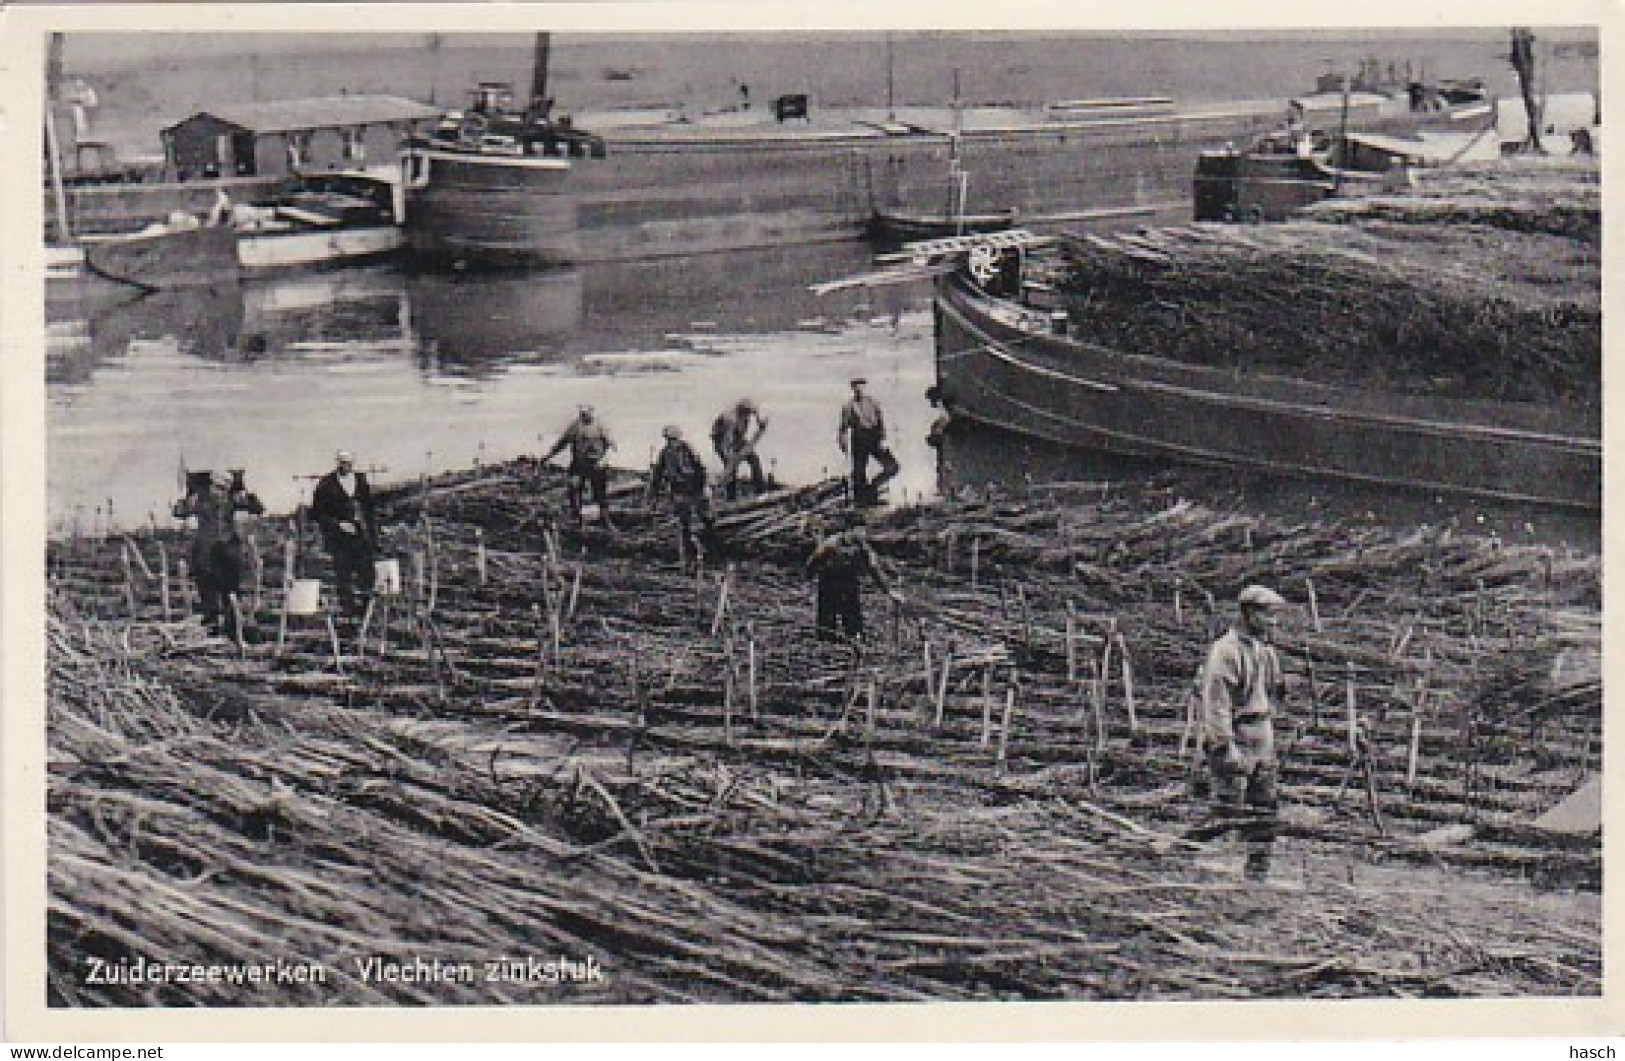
1410,295
579,748
1555,196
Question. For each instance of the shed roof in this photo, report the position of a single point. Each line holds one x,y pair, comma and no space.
325,112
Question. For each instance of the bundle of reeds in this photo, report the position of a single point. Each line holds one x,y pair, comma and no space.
1447,295
557,751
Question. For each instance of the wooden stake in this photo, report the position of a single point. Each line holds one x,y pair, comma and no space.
987,705
1128,684
942,684
237,623
1416,738
366,625
1026,616
1098,703
930,670
129,579
434,567
1314,604
975,561
163,580
333,637
723,581
479,554
750,667
1004,726
728,702
282,625
1071,643
575,593
184,574
1103,676
1179,608
869,717
257,562
1353,713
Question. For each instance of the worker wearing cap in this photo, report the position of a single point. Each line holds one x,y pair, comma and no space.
862,436
589,445
839,562
678,471
342,507
217,552
734,441
1241,683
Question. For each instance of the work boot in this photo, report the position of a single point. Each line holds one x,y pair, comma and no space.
1258,866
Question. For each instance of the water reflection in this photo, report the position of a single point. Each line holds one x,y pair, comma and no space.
423,372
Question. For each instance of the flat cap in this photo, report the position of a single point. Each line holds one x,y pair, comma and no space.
858,381
1260,597
672,431
343,455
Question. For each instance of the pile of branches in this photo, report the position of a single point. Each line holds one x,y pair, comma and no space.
1556,196
601,754
1412,295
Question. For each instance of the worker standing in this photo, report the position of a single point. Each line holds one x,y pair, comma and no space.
1241,683
733,438
678,471
217,551
342,507
589,445
840,562
862,436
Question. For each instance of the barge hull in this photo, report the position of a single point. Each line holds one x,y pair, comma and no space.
1003,371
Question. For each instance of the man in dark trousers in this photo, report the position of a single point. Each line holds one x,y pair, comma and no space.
589,445
217,551
840,562
678,471
734,434
1241,683
342,507
862,436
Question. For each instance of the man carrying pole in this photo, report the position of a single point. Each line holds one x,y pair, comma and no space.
1241,682
735,443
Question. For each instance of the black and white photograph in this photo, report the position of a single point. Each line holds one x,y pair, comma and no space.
580,512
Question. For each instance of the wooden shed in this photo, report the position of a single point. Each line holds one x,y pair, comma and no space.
283,137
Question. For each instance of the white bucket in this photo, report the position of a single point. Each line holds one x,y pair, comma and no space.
305,597
386,577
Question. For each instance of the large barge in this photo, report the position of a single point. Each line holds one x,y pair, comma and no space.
1006,362
499,187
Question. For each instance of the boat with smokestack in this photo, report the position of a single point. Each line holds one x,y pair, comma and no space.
500,184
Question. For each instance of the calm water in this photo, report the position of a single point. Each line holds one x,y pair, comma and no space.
421,373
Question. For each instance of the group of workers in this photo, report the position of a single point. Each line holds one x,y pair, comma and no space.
680,473
1241,680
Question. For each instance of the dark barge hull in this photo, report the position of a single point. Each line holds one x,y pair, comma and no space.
1002,367
672,191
